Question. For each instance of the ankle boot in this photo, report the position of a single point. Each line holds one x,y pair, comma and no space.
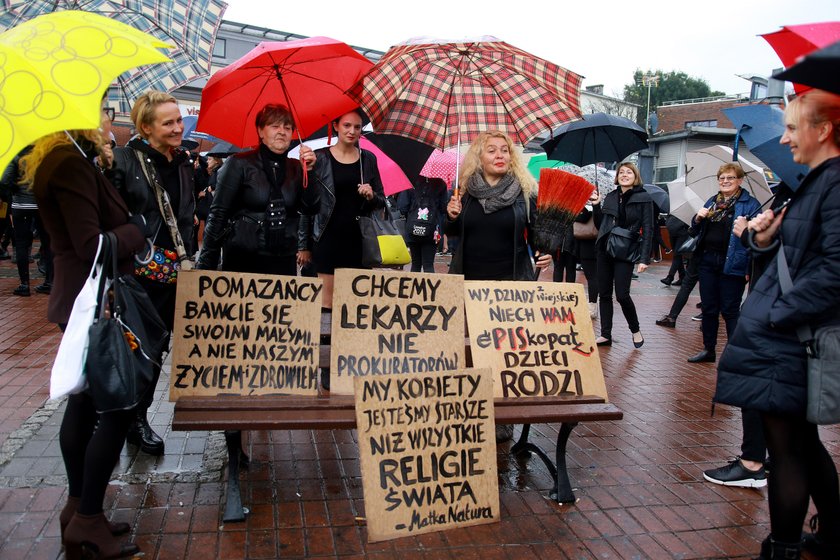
88,536
771,549
73,505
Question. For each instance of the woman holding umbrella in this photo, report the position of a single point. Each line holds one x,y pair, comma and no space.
630,208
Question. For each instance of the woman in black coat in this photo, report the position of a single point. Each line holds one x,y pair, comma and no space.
629,207
764,365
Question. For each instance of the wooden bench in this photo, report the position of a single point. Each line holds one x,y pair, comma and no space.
235,413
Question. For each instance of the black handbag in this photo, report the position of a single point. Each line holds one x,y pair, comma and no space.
688,246
126,345
245,235
624,245
382,243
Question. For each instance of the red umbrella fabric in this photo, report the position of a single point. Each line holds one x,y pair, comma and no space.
310,76
794,41
446,93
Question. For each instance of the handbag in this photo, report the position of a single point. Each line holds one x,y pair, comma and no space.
68,371
823,349
162,266
244,234
127,345
382,243
585,230
624,245
688,246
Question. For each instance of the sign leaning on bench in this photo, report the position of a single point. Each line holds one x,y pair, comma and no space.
386,322
245,334
536,337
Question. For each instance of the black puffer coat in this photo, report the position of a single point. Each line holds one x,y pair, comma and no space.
764,365
638,217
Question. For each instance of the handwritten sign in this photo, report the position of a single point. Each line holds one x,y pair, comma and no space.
245,334
536,337
387,322
428,451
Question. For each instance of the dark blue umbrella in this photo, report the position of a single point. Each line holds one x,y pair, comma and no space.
761,127
597,137
224,149
190,133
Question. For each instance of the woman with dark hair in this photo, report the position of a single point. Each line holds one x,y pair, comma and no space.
423,207
77,204
629,207
764,365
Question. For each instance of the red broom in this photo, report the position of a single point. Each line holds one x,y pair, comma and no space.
560,199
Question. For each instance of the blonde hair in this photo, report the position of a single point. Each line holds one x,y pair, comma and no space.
43,146
472,162
143,111
817,106
733,167
632,167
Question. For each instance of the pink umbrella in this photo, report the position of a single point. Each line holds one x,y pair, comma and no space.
393,178
443,164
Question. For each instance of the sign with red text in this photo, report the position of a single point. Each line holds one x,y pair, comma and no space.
427,447
245,334
536,337
386,321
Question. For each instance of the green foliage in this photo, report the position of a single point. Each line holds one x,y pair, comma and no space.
673,86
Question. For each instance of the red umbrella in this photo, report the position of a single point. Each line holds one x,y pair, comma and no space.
310,76
443,164
794,41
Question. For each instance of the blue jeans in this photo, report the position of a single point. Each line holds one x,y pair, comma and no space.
720,295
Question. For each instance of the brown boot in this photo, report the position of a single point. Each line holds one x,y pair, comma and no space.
73,505
88,536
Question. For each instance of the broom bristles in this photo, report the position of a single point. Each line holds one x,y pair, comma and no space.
563,191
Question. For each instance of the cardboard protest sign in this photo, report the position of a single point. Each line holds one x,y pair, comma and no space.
387,321
245,334
427,446
536,337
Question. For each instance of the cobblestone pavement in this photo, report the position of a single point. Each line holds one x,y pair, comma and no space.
638,480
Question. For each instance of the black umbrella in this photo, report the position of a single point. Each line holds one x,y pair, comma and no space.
597,137
409,154
660,197
224,149
817,69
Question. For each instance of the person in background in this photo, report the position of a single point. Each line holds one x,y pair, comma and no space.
723,262
493,217
77,204
629,207
764,365
423,207
155,177
205,184
586,255
565,261
678,234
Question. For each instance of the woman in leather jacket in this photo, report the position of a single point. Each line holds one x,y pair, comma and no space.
156,150
629,207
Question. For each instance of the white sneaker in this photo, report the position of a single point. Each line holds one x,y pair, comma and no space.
593,310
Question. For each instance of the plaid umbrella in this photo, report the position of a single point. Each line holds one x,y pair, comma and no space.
446,93
190,25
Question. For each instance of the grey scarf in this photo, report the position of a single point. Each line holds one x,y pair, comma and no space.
502,195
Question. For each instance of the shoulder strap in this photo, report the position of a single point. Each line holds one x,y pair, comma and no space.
803,332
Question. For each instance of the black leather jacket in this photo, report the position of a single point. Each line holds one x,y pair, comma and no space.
127,176
638,217
243,188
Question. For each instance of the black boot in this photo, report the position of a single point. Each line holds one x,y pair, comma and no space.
772,549
818,543
143,436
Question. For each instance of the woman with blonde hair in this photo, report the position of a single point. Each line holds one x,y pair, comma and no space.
493,215
77,204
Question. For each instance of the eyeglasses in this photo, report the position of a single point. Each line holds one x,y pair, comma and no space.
725,178
111,112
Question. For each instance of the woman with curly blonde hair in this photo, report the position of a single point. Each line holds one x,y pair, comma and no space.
492,216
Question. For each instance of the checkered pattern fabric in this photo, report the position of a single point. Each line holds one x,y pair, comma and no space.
189,25
432,91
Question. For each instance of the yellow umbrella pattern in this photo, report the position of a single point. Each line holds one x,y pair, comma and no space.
55,68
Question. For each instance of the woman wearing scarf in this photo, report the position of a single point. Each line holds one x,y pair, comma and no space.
492,217
723,259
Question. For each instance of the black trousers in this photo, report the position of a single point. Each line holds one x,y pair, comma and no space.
25,221
690,279
564,267
422,255
616,273
753,445
720,295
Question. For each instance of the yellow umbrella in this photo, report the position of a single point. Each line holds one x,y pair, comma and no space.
55,68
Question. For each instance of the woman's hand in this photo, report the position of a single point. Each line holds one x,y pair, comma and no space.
642,267
304,258
702,213
765,226
739,226
595,198
453,207
542,261
106,156
307,156
366,191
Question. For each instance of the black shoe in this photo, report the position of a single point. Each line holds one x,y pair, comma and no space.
703,356
641,340
22,290
816,542
634,276
603,341
699,305
143,436
667,321
44,288
668,280
4,255
698,317
736,474
677,282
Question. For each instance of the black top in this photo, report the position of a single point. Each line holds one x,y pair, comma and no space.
340,245
488,243
717,235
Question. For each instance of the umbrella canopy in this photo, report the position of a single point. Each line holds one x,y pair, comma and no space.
309,76
540,161
55,69
224,149
409,154
684,202
598,137
761,127
660,197
702,167
793,41
601,177
446,93
190,26
817,69
190,132
443,164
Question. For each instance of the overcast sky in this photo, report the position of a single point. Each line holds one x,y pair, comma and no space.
604,40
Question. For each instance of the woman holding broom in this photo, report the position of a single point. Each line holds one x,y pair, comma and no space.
630,208
492,214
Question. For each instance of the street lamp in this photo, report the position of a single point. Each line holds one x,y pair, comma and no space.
649,80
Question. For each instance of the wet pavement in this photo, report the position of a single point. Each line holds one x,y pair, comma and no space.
638,481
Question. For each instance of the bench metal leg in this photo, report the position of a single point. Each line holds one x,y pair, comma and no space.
563,492
233,508
523,447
